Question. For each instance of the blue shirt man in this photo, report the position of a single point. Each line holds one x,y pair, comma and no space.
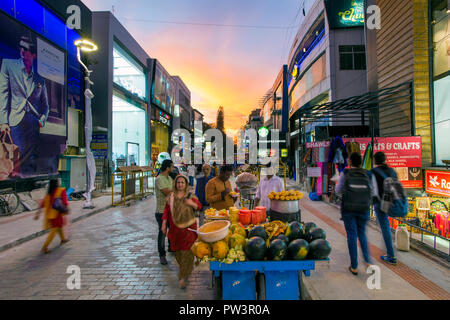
200,188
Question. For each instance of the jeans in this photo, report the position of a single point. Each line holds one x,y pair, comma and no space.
355,226
26,136
191,181
161,236
383,220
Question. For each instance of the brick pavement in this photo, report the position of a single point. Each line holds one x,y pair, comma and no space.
117,254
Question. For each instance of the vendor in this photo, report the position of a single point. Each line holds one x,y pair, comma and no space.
270,183
218,190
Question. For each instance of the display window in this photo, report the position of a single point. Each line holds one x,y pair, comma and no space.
160,137
129,132
440,26
128,73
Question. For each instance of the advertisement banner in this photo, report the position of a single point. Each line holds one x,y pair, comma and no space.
345,13
99,145
437,182
403,154
32,102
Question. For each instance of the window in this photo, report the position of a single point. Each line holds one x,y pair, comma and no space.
352,57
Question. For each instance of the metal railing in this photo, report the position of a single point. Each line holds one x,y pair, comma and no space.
136,183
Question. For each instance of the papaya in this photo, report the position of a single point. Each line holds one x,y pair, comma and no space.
220,249
201,249
236,240
236,228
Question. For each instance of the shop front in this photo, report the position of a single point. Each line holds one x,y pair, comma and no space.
160,133
129,110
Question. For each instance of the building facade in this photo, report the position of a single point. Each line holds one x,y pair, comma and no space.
120,107
35,35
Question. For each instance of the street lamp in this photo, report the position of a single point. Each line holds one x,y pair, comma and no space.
87,46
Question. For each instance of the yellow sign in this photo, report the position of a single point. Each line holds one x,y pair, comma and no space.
284,153
295,72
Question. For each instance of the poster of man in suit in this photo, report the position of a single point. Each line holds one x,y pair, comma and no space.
32,82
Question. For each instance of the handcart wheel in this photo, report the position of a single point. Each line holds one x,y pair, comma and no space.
261,287
218,287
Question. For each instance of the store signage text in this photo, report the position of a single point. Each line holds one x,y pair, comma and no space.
437,182
318,144
354,14
350,13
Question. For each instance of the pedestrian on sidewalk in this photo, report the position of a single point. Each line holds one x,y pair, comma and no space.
55,206
356,189
379,174
191,174
163,188
180,212
200,189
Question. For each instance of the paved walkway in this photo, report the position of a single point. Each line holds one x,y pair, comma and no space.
117,255
21,227
415,277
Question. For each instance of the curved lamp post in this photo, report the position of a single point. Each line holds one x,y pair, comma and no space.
87,46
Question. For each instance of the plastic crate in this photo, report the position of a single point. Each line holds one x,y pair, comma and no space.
238,280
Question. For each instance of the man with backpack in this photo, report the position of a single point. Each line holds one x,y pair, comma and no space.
389,200
356,188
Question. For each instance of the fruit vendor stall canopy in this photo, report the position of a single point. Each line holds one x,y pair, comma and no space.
346,109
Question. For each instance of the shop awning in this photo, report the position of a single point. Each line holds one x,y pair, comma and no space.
354,106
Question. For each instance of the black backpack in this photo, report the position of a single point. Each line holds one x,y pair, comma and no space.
357,195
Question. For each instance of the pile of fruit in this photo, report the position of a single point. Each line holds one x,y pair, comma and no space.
213,213
286,195
271,241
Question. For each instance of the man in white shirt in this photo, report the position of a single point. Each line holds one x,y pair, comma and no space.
269,183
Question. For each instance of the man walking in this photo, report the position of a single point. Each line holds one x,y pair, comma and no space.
163,187
379,174
24,106
218,190
357,191
200,188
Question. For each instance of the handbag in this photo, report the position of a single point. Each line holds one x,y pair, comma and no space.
58,205
9,157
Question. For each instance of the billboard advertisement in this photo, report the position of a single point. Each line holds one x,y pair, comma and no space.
345,13
32,102
403,154
437,182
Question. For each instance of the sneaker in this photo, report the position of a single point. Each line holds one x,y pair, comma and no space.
163,260
389,260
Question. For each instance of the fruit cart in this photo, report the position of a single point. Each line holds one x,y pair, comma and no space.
260,280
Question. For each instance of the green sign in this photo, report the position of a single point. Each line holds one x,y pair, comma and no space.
345,13
263,132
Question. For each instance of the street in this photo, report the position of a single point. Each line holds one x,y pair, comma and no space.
117,255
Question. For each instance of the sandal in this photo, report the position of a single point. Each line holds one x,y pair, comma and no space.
355,273
45,251
64,241
182,284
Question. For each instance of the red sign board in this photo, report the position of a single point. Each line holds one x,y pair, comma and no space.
404,154
437,182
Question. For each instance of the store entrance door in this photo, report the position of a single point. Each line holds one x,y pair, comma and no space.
133,153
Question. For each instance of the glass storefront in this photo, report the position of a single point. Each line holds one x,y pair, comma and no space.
129,132
440,26
160,138
128,73
164,91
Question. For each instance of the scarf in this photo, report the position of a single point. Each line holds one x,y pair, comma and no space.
183,215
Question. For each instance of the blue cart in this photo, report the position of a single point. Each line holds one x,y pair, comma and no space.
262,280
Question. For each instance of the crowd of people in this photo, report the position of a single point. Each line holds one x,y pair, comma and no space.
180,206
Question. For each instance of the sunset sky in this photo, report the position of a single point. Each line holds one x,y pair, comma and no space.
228,66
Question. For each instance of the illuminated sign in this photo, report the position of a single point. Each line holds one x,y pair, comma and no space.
284,153
345,13
263,132
295,72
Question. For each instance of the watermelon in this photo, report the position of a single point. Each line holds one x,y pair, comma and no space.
319,249
258,231
255,248
295,230
316,233
277,250
309,226
283,237
298,249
